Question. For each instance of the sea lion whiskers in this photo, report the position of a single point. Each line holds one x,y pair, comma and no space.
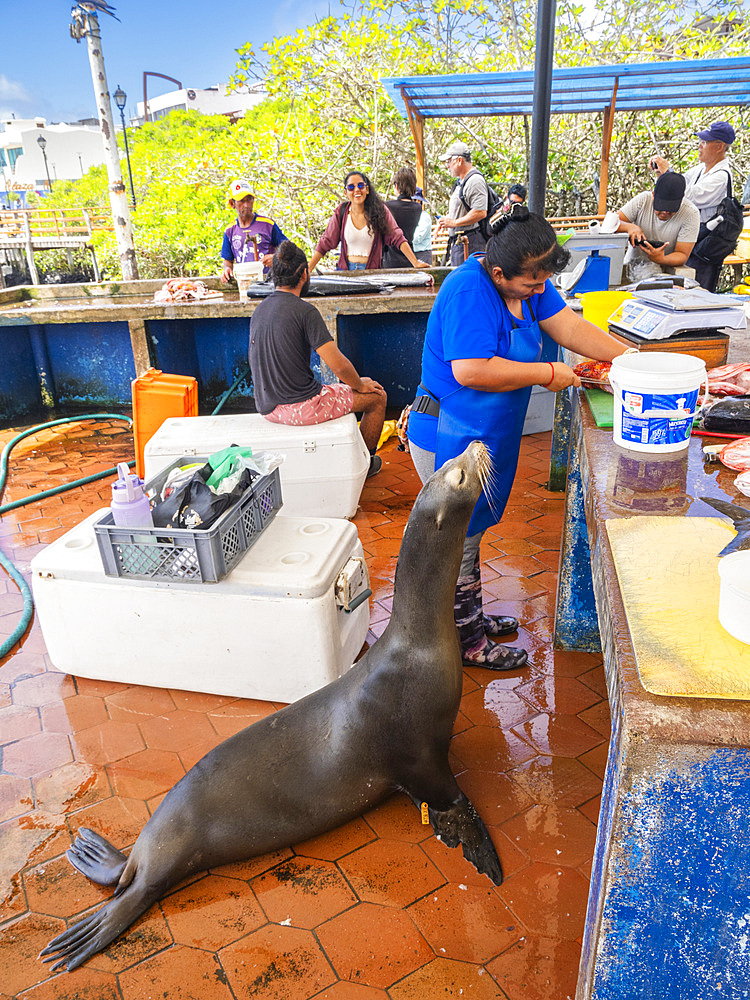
486,472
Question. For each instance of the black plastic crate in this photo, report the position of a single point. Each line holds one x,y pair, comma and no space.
183,554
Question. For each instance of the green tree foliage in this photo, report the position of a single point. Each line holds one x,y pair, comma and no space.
326,112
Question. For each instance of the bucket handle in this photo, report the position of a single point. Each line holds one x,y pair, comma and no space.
660,414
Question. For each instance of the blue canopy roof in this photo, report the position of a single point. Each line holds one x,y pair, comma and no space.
699,83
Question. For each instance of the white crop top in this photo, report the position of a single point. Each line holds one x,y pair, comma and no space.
358,241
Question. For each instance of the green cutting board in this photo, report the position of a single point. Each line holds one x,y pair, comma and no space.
602,406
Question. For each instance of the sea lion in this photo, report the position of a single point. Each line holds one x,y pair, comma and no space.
384,726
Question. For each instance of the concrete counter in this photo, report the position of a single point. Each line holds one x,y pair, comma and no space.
669,910
81,345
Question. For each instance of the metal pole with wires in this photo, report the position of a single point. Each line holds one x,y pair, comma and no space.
86,25
540,115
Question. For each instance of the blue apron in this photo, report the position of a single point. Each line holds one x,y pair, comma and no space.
496,419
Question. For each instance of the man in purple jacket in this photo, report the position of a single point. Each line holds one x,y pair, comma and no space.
252,236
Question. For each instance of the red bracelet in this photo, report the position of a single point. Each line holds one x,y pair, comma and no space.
545,384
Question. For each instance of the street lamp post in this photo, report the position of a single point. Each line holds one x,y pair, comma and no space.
42,143
120,100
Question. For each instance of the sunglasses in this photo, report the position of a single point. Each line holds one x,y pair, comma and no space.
359,186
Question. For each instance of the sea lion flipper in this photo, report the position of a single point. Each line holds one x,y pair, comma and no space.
96,858
461,824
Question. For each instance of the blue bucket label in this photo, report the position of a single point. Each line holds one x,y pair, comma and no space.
657,418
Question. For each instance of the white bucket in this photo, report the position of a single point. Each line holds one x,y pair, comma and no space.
656,397
247,274
734,594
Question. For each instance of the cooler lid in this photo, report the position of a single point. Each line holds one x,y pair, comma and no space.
294,557
205,435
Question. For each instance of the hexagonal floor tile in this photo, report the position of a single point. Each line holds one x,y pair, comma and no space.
24,939
537,968
57,889
561,781
549,900
390,872
447,978
179,973
276,963
559,735
212,912
551,833
466,922
303,892
374,945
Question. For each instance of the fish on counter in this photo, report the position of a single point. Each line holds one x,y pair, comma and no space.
184,290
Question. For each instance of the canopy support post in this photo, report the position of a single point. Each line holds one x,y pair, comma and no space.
416,124
540,114
609,120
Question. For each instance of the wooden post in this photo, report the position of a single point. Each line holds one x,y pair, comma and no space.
609,118
416,124
30,250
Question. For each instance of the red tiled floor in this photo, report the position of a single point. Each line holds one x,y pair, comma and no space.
378,908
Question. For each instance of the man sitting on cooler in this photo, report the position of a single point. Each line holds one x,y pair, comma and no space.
283,332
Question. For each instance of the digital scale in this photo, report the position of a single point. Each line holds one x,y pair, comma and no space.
656,314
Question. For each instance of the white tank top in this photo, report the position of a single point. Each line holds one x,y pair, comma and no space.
358,241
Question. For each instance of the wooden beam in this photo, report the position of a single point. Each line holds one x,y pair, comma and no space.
416,124
609,119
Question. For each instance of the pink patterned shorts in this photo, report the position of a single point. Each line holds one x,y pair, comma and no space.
332,401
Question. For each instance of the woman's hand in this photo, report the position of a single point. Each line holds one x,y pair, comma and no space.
562,376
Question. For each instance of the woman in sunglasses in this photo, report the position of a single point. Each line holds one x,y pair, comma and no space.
480,360
362,226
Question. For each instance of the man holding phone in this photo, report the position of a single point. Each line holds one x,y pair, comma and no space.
662,226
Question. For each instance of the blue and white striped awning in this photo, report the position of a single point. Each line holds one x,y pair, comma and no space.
700,83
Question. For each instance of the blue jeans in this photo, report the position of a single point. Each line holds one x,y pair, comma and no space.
357,266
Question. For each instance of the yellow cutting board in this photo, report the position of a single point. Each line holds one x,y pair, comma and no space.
667,568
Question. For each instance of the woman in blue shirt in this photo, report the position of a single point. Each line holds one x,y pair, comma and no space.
480,359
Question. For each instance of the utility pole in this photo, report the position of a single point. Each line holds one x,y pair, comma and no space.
540,115
86,25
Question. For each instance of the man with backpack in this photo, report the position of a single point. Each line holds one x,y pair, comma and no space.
709,188
472,203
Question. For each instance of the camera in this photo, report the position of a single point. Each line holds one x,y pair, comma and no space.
653,165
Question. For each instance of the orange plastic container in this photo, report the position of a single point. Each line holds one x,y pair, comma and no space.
157,396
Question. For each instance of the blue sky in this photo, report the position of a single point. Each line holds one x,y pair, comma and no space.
43,71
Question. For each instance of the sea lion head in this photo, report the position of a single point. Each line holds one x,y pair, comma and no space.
450,494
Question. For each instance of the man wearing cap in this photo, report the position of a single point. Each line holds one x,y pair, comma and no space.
252,236
706,185
467,205
662,227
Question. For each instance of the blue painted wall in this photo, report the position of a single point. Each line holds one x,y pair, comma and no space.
677,915
387,347
19,385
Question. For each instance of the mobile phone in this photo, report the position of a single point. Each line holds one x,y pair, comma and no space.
656,244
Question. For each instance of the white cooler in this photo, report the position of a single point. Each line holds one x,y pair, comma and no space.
275,628
324,467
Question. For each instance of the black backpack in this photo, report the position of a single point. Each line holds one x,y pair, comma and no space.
493,203
715,242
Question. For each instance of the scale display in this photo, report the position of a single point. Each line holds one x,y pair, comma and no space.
645,319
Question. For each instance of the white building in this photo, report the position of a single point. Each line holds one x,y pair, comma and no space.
212,101
70,151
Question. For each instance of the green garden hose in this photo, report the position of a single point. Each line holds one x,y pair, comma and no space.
14,573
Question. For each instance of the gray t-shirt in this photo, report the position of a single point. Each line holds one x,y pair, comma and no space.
681,228
284,330
474,195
